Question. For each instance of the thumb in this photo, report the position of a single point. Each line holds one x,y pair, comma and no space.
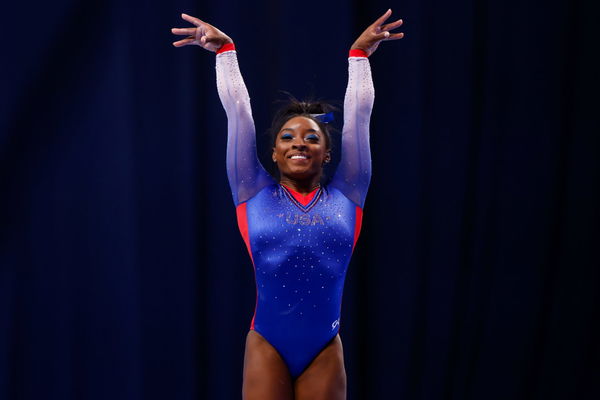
382,35
209,38
206,39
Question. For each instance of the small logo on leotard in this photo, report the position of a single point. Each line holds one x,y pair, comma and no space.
302,219
335,324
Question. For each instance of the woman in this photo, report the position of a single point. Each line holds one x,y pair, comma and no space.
300,235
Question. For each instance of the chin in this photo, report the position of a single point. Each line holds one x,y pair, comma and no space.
303,174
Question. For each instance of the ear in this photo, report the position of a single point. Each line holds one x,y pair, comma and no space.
327,156
273,156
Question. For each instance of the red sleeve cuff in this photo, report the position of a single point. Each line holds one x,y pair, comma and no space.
226,47
358,53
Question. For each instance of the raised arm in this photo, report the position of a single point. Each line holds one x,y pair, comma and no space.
354,171
246,174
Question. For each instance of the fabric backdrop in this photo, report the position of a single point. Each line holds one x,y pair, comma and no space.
123,275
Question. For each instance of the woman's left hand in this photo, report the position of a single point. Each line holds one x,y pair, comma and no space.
369,40
202,34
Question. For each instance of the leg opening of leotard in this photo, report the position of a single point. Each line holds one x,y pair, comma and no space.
325,376
266,375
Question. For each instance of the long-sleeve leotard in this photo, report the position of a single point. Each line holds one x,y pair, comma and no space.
245,173
353,174
247,176
300,247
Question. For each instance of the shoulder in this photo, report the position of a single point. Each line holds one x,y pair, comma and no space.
272,190
334,193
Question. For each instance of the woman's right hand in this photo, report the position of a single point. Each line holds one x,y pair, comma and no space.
377,32
203,34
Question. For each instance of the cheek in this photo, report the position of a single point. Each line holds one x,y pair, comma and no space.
320,153
279,152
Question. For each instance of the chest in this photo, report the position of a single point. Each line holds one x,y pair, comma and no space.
279,227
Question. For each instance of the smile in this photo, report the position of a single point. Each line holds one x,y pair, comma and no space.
299,157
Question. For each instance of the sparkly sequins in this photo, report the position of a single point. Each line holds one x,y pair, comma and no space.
299,274
300,253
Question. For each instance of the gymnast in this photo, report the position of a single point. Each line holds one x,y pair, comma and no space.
300,233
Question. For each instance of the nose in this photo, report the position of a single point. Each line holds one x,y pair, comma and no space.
299,147
298,144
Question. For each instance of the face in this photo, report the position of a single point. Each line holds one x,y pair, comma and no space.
300,149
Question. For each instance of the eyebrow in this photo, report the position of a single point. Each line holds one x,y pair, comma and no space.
310,130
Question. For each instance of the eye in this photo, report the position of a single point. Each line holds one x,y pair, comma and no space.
312,138
286,136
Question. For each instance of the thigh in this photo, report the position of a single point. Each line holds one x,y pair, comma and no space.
325,377
266,375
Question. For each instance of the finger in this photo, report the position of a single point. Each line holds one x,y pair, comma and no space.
184,31
391,26
183,42
193,20
381,36
395,36
382,19
209,38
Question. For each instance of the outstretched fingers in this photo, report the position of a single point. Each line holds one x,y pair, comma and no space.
395,36
184,42
184,31
381,36
193,20
392,25
377,32
189,32
382,19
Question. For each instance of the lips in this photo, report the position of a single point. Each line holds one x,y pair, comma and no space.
299,156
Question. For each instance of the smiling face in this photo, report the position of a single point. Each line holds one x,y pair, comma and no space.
300,150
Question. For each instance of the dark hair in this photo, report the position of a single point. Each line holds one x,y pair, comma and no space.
293,107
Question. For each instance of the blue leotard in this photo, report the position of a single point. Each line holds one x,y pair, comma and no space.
300,249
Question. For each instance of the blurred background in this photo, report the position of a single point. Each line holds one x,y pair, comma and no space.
122,271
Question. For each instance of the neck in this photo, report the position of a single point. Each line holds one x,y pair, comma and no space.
303,187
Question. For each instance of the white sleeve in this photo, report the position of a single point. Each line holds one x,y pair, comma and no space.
245,173
354,171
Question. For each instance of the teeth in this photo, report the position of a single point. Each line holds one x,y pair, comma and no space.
298,157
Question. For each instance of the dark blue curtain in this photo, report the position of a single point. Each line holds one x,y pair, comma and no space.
123,275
